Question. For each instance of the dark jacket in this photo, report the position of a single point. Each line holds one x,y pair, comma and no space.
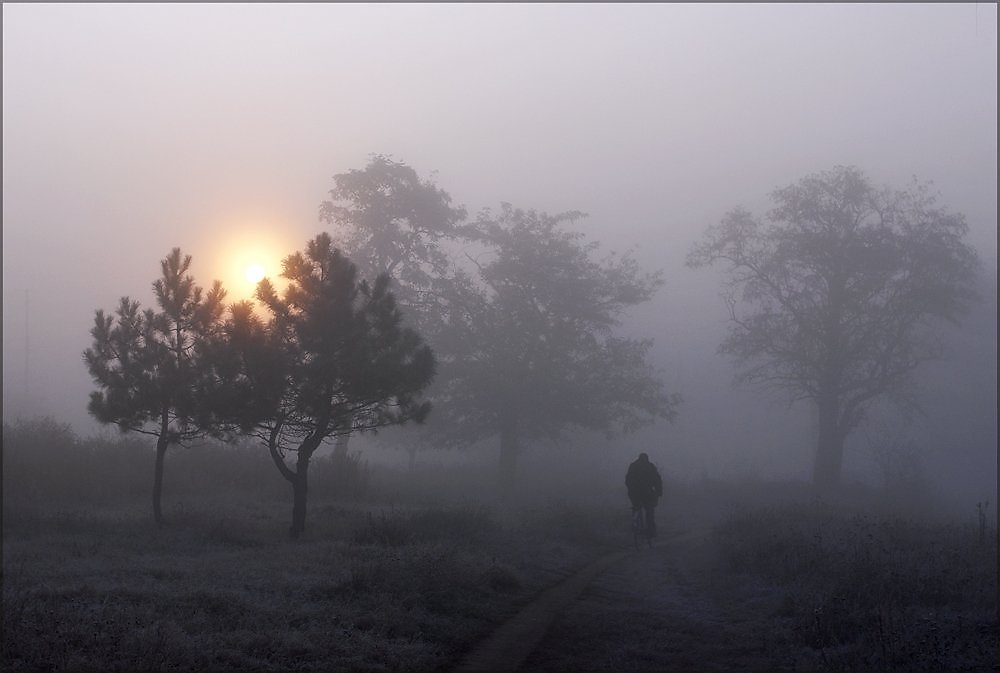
644,483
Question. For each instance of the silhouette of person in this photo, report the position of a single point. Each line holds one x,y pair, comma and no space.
644,488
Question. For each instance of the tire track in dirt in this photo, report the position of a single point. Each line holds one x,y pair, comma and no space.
511,644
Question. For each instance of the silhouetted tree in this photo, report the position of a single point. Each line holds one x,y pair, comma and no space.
837,291
247,367
531,345
334,359
146,363
386,219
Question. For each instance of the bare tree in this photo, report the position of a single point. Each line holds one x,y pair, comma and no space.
531,345
832,299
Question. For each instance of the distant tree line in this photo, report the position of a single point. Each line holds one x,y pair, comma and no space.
506,324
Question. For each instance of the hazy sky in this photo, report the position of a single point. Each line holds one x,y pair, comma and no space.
132,129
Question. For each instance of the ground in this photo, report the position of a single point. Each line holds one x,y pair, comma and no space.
651,609
854,593
558,587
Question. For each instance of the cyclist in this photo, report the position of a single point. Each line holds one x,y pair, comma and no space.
644,488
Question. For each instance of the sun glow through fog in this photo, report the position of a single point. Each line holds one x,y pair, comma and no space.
242,249
247,266
254,273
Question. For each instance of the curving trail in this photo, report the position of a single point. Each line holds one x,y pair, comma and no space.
512,643
622,578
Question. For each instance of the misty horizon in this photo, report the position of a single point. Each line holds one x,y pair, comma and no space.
131,130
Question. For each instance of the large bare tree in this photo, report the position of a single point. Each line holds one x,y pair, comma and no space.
833,296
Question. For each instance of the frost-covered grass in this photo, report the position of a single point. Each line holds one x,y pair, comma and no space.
868,592
407,571
221,587
405,574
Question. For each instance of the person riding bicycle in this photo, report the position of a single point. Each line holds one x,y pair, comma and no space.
644,488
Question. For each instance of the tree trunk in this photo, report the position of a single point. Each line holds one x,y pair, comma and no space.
508,456
340,449
161,451
829,446
300,488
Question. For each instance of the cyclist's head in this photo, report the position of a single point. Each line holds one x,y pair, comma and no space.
644,457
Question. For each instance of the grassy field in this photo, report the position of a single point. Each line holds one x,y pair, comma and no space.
371,588
867,592
222,588
407,572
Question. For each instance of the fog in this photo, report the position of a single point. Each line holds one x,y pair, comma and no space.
132,129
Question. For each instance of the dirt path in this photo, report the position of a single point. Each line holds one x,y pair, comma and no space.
512,643
653,609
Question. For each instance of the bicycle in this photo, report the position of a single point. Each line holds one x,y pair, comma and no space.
640,531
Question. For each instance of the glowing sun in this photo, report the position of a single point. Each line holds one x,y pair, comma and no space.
254,273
